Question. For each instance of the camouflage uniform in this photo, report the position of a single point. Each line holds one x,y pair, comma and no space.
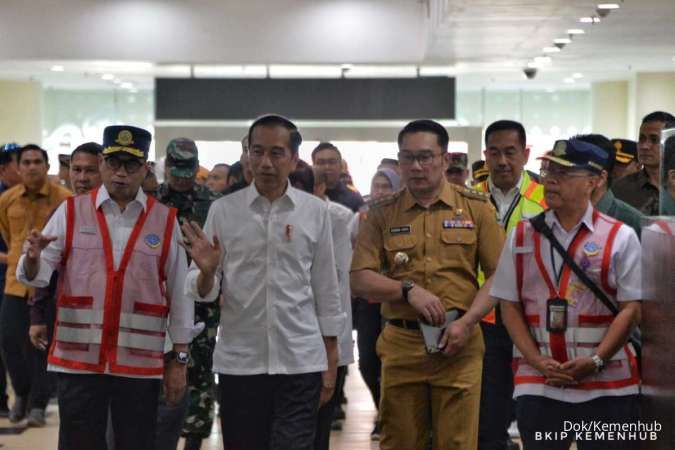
194,206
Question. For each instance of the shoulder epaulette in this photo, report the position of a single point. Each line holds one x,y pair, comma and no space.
383,201
474,194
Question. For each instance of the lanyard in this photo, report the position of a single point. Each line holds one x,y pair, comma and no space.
558,273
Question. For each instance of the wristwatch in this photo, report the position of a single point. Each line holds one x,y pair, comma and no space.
599,363
179,357
406,286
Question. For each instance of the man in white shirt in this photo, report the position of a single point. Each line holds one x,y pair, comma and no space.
272,256
121,277
573,360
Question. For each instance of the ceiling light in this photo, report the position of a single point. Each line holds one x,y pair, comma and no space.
133,91
305,71
575,31
57,69
229,71
608,6
550,50
382,71
543,60
562,41
577,75
533,65
437,71
127,85
346,66
568,80
590,19
107,77
117,81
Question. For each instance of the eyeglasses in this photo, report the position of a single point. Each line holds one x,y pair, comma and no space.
424,158
563,174
130,165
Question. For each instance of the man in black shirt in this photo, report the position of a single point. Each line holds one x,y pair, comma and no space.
328,159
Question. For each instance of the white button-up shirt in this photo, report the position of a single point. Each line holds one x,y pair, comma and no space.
505,201
624,271
278,281
120,224
341,222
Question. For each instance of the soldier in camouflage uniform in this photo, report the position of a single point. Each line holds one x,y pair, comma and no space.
192,202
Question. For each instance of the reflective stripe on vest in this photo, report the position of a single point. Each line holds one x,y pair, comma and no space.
80,315
140,341
530,203
142,322
78,335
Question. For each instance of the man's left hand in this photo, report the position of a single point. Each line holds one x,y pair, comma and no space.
579,368
175,380
328,380
454,337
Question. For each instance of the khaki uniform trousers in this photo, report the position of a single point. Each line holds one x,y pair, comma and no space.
424,393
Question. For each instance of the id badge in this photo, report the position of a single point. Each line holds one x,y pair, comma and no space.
556,315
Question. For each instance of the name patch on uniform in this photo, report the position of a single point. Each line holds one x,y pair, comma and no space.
87,230
405,229
152,240
458,224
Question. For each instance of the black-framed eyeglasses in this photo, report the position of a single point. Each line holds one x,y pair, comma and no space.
424,158
130,165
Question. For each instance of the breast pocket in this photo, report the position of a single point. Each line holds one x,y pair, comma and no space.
458,248
404,245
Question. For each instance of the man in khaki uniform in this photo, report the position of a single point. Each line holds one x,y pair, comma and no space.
418,253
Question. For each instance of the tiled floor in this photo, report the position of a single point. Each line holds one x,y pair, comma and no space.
354,436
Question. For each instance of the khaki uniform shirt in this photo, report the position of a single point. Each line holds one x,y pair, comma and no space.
444,243
20,212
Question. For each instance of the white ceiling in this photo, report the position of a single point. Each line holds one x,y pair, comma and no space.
486,43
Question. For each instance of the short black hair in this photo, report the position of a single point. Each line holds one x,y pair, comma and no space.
668,162
658,116
33,147
90,148
507,125
428,126
9,152
236,172
302,177
325,146
605,144
275,120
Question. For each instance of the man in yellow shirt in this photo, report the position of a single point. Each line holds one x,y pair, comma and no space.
22,208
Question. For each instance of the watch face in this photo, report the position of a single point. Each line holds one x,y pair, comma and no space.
182,357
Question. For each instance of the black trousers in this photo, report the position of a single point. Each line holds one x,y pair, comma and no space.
327,412
368,328
169,422
26,365
269,412
3,370
496,403
84,402
540,415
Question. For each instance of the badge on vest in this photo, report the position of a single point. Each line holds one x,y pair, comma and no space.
405,229
591,249
152,241
87,230
447,224
556,315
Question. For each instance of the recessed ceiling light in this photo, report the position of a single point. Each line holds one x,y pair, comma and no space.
608,6
550,50
127,85
568,80
563,41
107,76
575,31
543,60
57,69
577,75
533,65
589,20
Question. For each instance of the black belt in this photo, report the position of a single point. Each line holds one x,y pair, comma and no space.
402,323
